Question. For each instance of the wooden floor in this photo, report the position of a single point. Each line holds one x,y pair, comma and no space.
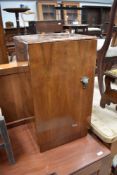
64,159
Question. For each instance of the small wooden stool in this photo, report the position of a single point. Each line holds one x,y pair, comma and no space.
6,141
110,95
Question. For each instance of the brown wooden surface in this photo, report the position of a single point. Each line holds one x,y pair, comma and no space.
21,43
45,26
113,148
110,94
62,106
15,92
21,51
42,38
3,50
11,32
77,158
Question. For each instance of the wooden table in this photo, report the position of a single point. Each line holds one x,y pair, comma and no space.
62,76
85,156
77,27
16,11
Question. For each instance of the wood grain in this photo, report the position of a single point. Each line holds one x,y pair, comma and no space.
53,26
16,99
75,158
62,106
110,94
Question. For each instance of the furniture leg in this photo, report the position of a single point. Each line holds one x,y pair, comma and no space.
104,99
6,142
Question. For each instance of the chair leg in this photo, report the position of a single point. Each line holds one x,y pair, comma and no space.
100,82
6,141
105,98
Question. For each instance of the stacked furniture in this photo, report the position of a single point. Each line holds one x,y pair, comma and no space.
59,86
106,54
56,82
104,126
104,122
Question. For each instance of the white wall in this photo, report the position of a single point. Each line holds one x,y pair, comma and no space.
94,4
11,17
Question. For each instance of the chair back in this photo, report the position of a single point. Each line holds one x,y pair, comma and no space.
103,62
102,52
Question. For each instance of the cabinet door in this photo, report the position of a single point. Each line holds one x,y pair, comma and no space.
62,102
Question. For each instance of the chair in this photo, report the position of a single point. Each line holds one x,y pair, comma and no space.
110,94
106,54
104,126
9,24
6,141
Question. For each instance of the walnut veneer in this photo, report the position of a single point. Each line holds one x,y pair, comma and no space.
62,103
15,92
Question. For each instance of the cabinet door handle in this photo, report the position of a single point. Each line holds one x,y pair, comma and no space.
85,81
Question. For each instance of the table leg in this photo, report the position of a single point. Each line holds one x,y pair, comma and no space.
17,21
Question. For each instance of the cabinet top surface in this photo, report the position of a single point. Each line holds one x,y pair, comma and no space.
53,37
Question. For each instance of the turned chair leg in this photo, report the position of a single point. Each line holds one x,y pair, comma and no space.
104,98
6,141
100,80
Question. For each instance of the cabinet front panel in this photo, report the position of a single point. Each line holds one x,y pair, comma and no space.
62,100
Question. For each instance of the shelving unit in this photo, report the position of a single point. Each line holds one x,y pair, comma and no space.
72,15
47,11
95,15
